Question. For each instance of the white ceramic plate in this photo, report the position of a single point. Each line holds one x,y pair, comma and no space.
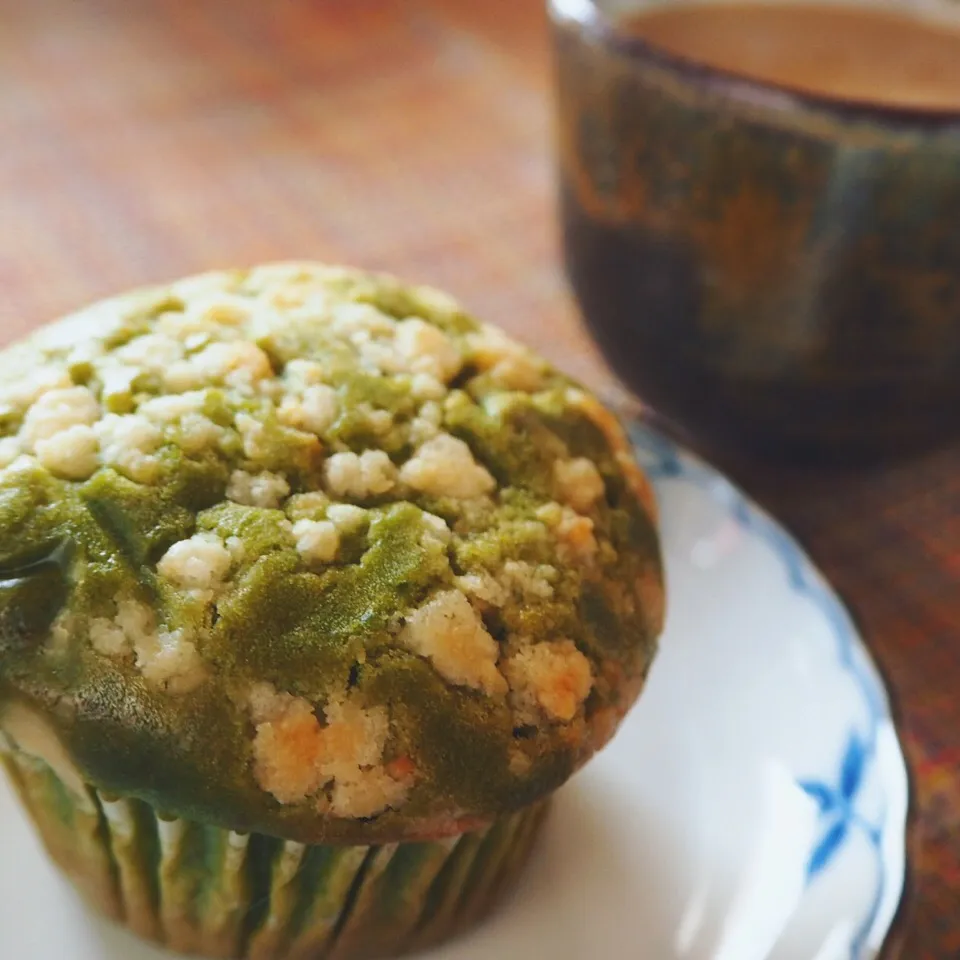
752,807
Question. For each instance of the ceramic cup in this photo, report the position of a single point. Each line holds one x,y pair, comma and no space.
770,270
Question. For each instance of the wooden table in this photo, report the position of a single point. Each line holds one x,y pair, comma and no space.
141,140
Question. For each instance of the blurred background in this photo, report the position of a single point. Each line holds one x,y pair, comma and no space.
145,140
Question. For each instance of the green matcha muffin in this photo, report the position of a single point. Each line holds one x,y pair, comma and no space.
312,591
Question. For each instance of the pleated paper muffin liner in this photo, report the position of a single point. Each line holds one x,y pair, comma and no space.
208,891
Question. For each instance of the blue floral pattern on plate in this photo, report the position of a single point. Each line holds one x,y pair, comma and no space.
837,799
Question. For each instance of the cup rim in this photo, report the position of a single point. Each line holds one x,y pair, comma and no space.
594,22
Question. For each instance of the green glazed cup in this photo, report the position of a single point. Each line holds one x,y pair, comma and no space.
772,271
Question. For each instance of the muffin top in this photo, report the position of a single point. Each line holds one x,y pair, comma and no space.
311,552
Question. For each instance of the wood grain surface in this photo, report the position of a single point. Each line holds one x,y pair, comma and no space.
142,140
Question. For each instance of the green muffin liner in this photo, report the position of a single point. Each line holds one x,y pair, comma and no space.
212,892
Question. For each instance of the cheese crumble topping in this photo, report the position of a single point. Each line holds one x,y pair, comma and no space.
300,751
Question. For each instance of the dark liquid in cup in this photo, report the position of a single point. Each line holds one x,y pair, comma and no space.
852,53
743,283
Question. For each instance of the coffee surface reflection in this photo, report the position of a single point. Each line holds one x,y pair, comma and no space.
854,53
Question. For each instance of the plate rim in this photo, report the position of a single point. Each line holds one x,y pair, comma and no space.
665,459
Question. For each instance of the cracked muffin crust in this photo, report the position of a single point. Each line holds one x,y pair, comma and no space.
311,552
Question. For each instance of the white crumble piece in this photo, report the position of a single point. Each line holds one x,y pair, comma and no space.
272,388
425,387
307,506
27,388
422,431
451,635
578,483
426,424
107,637
287,752
296,756
263,489
9,451
251,431
350,319
368,793
171,661
510,364
436,529
116,385
56,411
317,540
295,285
375,355
314,410
368,474
169,409
72,454
379,421
126,444
574,533
194,331
200,563
151,353
266,703
89,352
354,740
355,735
445,467
163,657
499,404
222,307
531,582
553,675
346,517
550,513
519,372
198,433
237,363
423,348
483,587
195,342
219,308
298,375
